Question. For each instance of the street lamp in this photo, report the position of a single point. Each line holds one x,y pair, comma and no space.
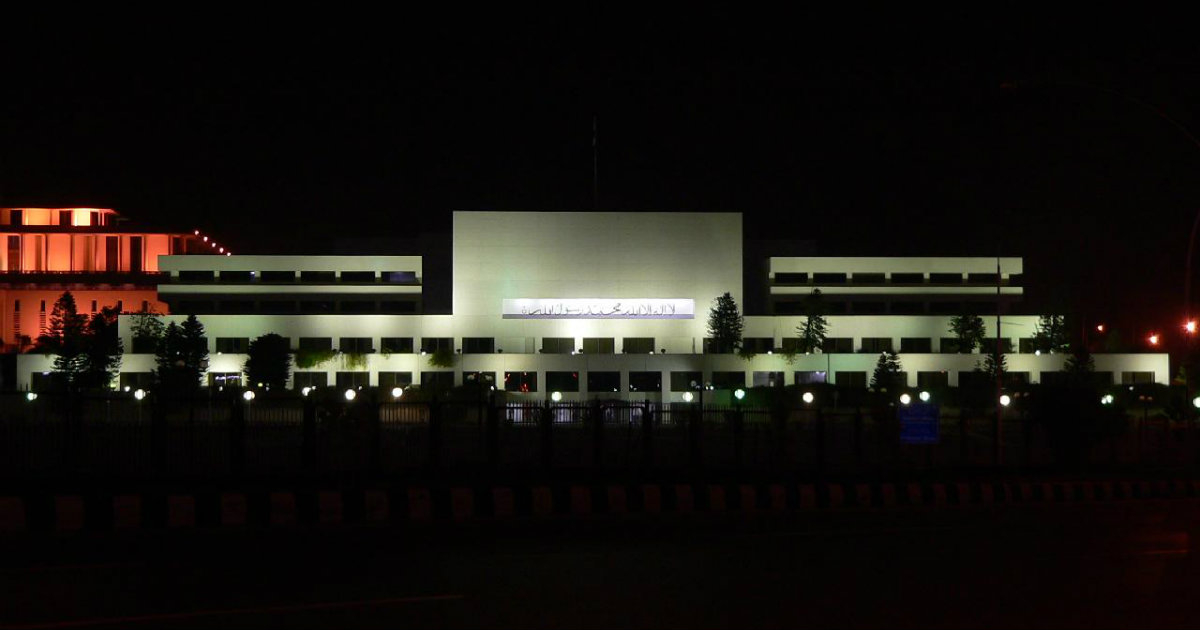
739,393
905,399
924,396
808,398
1005,400
139,394
31,396
556,396
1153,339
397,392
350,395
687,397
248,395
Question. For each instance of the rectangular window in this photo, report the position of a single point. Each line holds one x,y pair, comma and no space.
316,306
16,217
399,277
875,345
191,307
838,345
316,344
437,381
767,379
236,276
189,275
791,278
300,380
137,380
398,307
975,380
908,278
356,345
907,308
478,345
1026,345
357,306
236,306
945,308
649,382
1137,378
135,254
758,345
429,345
14,253
562,381
945,278
916,345
711,346
64,217
867,278
604,381
353,380
277,307
220,380
790,345
948,345
982,278
520,381
932,380
682,381
809,377
112,254
232,345
396,345
388,380
989,346
327,277
278,276
637,345
483,379
358,276
558,345
869,308
728,380
599,345
829,278
853,380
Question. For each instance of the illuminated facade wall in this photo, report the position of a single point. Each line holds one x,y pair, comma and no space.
87,251
616,290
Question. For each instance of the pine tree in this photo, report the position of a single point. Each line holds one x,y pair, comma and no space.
725,324
989,366
1051,334
1080,363
195,349
102,354
887,373
66,338
814,327
269,361
968,331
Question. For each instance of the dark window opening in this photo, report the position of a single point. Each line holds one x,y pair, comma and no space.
396,345
649,382
316,344
599,345
358,276
562,381
916,345
429,345
356,345
637,345
558,345
520,381
604,381
478,345
683,381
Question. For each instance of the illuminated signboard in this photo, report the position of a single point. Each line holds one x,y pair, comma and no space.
599,308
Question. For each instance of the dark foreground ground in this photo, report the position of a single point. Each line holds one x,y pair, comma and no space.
1115,565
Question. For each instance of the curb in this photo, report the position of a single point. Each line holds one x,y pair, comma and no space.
377,506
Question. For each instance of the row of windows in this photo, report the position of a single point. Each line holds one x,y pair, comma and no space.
320,277
786,278
606,381
350,306
630,345
795,306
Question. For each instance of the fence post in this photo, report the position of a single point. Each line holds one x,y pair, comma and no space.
819,438
963,427
492,432
858,450
546,429
435,432
158,436
648,436
597,418
308,448
373,436
237,436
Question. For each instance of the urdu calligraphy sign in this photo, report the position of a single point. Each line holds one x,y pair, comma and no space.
599,308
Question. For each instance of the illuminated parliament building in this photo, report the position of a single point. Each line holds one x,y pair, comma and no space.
587,304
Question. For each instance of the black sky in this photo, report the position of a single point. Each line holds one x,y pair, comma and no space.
869,133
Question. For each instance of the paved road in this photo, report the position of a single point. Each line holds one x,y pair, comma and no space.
1113,565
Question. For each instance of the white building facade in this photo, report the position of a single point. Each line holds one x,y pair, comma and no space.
597,305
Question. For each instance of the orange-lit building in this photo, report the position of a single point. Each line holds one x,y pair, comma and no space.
90,252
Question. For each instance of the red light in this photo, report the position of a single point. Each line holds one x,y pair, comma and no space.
1190,327
1153,339
1099,327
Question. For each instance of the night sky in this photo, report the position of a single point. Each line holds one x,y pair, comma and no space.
871,135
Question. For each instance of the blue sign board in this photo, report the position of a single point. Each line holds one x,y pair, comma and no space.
918,423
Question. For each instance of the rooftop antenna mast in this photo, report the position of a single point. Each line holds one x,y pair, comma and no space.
595,165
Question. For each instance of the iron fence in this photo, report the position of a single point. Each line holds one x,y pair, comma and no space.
116,436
